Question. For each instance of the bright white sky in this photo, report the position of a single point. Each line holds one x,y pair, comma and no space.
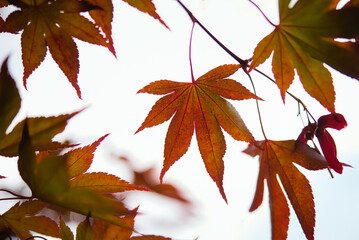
147,52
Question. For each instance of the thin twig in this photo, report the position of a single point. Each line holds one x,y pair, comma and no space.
260,10
190,51
243,63
289,93
257,103
15,194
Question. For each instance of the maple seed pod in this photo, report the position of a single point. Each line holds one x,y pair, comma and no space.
333,120
326,141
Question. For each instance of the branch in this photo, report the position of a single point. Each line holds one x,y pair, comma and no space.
17,196
243,63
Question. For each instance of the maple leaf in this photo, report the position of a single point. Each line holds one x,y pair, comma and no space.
103,183
276,160
99,229
147,179
53,24
41,129
10,100
21,219
48,180
308,30
84,230
65,231
146,6
103,18
79,160
199,105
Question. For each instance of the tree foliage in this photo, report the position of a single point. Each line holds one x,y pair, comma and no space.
305,41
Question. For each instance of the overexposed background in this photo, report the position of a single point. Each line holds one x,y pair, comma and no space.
147,51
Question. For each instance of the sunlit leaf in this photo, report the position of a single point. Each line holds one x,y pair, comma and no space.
21,220
199,106
41,130
149,179
146,6
276,163
48,180
80,159
103,183
9,99
305,38
84,231
65,231
53,25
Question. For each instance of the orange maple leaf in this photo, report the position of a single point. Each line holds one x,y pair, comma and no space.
199,106
146,6
276,160
53,24
21,219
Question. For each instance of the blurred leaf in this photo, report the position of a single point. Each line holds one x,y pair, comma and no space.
149,180
65,231
84,231
41,130
103,183
114,232
80,159
10,100
48,181
3,3
21,220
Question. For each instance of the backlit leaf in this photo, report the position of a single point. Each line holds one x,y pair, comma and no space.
276,163
103,183
21,220
48,180
148,179
41,130
65,231
9,99
80,159
53,25
146,6
103,18
199,106
84,231
304,39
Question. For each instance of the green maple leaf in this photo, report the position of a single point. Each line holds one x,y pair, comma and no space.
304,39
42,129
48,175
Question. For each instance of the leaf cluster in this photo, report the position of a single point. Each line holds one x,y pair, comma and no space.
304,42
